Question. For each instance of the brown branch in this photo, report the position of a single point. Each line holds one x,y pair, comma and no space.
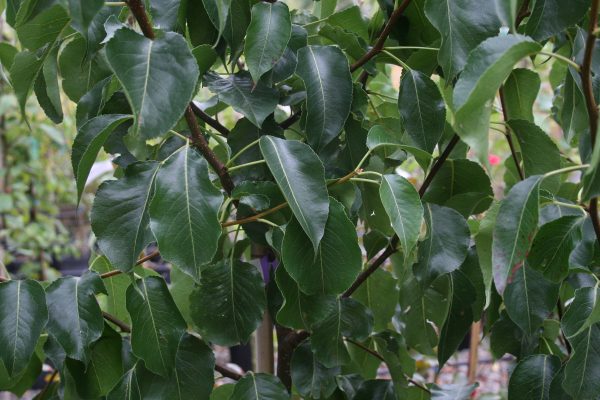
200,142
227,373
376,49
142,260
523,12
291,120
122,325
392,247
139,13
592,107
209,120
513,151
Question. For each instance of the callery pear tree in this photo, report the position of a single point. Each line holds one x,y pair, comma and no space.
347,146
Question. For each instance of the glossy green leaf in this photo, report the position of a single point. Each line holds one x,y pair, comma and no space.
259,387
22,319
88,142
230,301
582,371
205,56
183,211
217,11
46,25
238,20
487,67
516,224
139,383
335,264
267,37
328,83
463,24
46,88
403,206
462,185
446,245
346,318
539,153
156,324
529,298
24,72
82,13
460,315
116,288
310,377
553,245
75,317
159,78
591,177
301,178
382,307
532,377
375,389
193,376
120,218
583,312
520,91
255,102
79,70
422,109
165,13
550,17
299,310
573,113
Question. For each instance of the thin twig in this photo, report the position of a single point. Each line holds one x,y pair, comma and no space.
523,12
139,13
380,43
227,373
209,120
42,394
513,151
142,260
122,325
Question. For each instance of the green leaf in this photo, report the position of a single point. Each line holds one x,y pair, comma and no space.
138,383
7,55
487,67
238,20
120,215
193,376
573,113
311,378
463,24
335,264
75,317
188,237
255,102
267,37
165,13
582,371
422,109
104,369
88,142
217,11
47,90
553,245
328,83
346,318
462,185
116,287
540,154
159,78
299,310
83,12
44,27
156,324
591,177
583,312
403,205
529,298
550,17
446,246
80,71
379,294
301,178
375,389
230,301
460,316
516,224
205,56
259,387
381,136
22,319
520,91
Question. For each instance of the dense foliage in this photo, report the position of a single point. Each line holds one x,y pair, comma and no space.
245,129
